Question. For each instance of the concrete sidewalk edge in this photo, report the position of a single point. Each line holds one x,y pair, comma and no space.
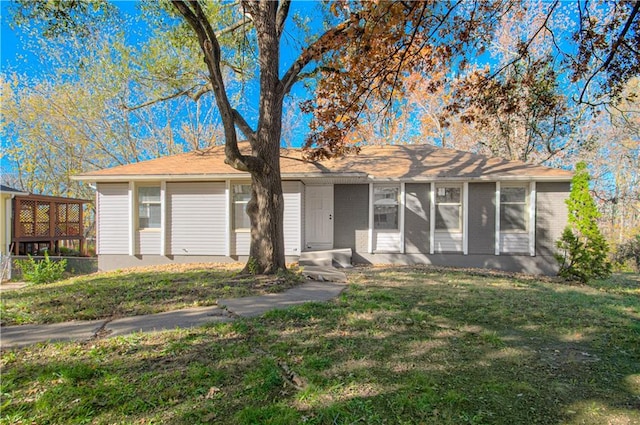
310,291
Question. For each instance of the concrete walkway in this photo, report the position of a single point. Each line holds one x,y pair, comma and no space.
227,310
10,286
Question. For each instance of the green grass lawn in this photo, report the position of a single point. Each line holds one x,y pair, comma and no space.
400,346
135,291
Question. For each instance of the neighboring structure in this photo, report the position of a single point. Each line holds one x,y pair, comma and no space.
401,204
32,223
6,213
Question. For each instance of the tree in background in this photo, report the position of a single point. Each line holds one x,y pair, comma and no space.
583,249
521,114
629,250
614,163
92,104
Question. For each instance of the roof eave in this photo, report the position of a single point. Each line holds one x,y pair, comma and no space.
14,193
203,177
491,178
151,177
306,176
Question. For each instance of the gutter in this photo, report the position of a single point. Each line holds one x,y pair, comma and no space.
488,179
206,177
308,176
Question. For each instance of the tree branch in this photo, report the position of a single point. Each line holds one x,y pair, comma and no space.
154,101
196,18
281,17
186,92
632,48
197,95
316,50
233,27
614,48
525,48
244,127
405,53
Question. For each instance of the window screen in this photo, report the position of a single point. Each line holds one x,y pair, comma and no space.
449,208
241,196
149,207
513,209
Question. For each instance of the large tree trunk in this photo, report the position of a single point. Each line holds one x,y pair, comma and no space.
265,210
266,207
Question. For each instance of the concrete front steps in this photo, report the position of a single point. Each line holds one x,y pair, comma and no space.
321,265
340,258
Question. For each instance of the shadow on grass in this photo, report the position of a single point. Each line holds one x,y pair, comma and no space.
117,294
396,347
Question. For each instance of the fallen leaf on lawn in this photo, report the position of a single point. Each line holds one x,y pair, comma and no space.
212,392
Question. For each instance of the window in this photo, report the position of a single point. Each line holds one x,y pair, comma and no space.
241,196
449,208
385,207
513,209
148,207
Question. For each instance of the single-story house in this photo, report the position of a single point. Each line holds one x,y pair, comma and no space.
401,204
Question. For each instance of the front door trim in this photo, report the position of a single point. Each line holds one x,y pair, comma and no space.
318,217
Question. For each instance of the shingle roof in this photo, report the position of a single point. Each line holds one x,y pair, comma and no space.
390,162
7,189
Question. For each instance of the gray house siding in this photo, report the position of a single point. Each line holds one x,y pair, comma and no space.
196,218
351,214
551,215
350,227
416,218
292,218
550,221
482,218
510,263
113,218
147,242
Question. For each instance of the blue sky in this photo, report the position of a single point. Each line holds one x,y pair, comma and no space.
10,57
13,55
9,39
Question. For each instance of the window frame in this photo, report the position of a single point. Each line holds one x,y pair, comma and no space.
460,204
397,207
141,203
235,203
525,210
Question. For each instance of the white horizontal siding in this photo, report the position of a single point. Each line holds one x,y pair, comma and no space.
387,241
448,242
113,218
514,243
240,243
292,217
292,193
196,219
148,242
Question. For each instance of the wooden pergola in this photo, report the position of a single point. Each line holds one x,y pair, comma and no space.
44,221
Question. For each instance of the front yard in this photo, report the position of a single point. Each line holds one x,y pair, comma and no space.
134,292
400,346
